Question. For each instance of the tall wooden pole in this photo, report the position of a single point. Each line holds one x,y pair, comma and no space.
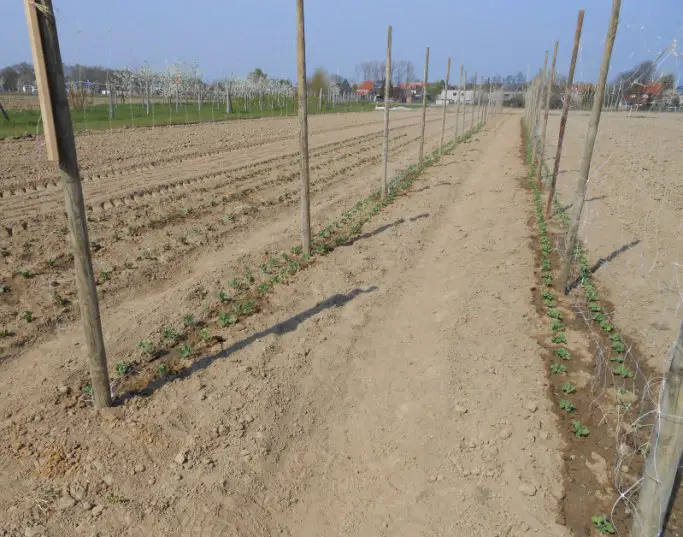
565,113
303,131
464,107
457,106
474,100
387,91
424,108
666,448
47,58
544,129
445,103
537,109
579,197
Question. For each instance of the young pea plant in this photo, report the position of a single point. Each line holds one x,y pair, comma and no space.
205,334
567,405
580,430
225,319
557,326
171,333
223,297
603,524
26,274
558,369
189,320
622,371
163,370
122,369
147,347
27,316
555,314
185,350
562,353
560,339
568,387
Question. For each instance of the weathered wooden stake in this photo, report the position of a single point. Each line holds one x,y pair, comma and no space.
303,131
579,197
47,60
544,129
457,106
445,103
474,100
424,108
464,107
666,449
565,113
537,109
387,91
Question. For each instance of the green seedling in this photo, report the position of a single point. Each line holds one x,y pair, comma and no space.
205,334
603,524
594,306
248,277
580,430
560,339
548,295
105,276
189,320
238,285
183,240
606,326
591,293
264,287
558,369
562,353
26,274
322,249
225,319
622,371
51,262
4,289
169,332
162,370
618,344
122,369
223,296
146,346
293,267
4,334
567,405
557,326
244,308
185,350
568,387
555,314
618,358
297,250
59,300
88,389
27,316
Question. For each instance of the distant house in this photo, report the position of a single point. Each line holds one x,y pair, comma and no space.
340,86
410,91
644,95
366,89
454,96
28,88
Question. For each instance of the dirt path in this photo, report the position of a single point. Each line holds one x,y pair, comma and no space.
395,389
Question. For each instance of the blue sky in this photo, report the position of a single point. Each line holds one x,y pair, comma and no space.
234,36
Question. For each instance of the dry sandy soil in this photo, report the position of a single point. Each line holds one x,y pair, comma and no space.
633,219
394,387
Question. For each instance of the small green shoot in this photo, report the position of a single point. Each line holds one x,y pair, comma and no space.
622,371
105,276
558,369
237,284
245,307
225,319
567,405
162,370
185,350
562,353
4,289
560,339
146,346
189,320
568,387
122,369
88,389
205,334
555,314
603,524
4,334
264,287
557,326
618,358
170,332
223,296
580,430
51,262
27,316
26,274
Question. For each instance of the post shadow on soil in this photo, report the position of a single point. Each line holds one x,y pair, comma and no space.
600,262
427,187
382,229
596,198
289,325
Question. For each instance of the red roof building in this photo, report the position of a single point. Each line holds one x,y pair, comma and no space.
365,88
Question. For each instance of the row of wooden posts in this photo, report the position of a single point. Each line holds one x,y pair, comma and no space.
656,494
60,146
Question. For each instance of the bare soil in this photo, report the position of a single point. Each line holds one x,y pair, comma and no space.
633,217
394,387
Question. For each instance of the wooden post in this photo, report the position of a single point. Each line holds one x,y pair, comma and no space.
474,100
464,107
457,106
387,90
565,113
445,102
55,108
537,109
40,69
544,129
666,449
579,197
303,131
424,108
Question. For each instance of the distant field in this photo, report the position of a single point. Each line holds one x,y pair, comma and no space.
26,119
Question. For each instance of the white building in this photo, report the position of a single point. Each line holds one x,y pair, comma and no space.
454,96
